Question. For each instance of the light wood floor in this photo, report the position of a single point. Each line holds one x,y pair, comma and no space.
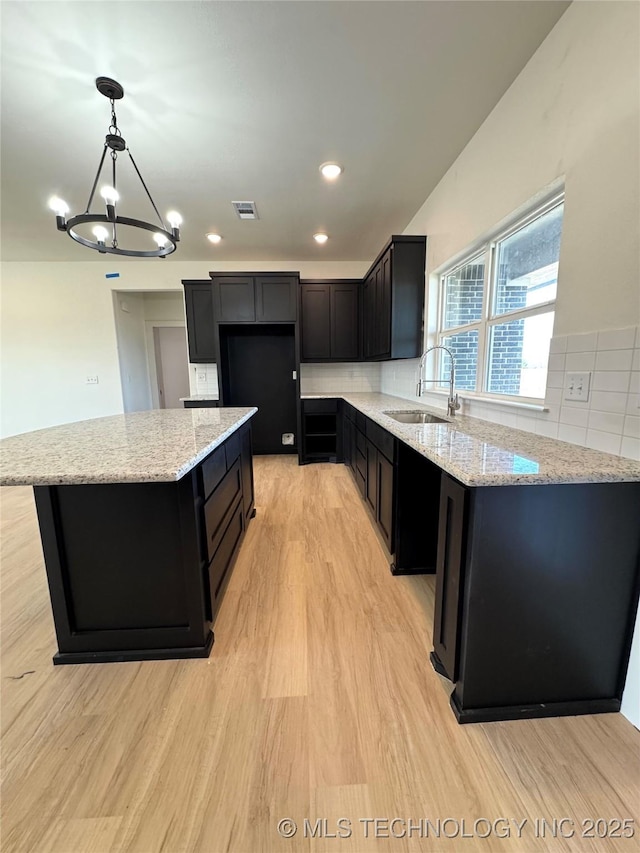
318,701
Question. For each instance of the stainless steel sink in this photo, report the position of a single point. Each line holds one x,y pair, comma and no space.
415,418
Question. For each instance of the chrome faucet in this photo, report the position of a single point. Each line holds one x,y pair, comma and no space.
453,404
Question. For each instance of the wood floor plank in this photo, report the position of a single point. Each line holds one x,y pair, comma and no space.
318,702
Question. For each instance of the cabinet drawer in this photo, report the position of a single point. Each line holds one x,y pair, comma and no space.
219,505
361,463
232,449
382,439
214,468
361,421
360,482
361,442
320,406
225,553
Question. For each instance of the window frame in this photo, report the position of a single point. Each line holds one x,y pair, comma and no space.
488,252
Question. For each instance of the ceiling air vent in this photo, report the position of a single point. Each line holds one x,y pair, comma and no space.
245,209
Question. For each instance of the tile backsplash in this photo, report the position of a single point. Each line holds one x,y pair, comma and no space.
348,376
609,420
203,379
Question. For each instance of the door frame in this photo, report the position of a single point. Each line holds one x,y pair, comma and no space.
149,326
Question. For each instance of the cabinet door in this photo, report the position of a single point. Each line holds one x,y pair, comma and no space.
384,306
200,324
385,512
347,426
344,320
315,317
449,574
276,299
371,486
246,464
368,321
234,299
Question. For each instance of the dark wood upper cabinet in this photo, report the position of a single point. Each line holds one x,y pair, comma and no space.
393,300
315,320
266,298
329,320
275,299
200,325
234,299
344,320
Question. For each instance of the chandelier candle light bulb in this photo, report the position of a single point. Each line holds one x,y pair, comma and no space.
175,221
166,240
101,234
111,196
60,208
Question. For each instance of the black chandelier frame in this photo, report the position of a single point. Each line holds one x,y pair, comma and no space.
115,142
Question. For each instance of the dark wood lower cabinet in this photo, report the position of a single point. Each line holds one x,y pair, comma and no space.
401,489
537,586
385,502
136,570
536,596
322,431
371,491
449,577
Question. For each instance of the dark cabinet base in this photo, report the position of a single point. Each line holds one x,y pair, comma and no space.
176,653
535,608
136,571
530,712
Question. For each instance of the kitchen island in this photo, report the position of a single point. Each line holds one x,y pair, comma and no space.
535,544
141,517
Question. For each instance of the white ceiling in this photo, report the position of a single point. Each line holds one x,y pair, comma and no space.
243,101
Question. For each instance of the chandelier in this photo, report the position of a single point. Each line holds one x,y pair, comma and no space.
105,230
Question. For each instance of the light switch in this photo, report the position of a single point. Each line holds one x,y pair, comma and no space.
577,386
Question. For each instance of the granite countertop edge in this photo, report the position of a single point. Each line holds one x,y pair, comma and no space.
104,475
591,466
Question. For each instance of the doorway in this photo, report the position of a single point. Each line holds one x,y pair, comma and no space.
258,366
170,346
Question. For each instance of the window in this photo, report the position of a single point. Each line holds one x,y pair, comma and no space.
497,309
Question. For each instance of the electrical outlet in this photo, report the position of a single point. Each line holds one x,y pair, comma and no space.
577,386
92,380
202,377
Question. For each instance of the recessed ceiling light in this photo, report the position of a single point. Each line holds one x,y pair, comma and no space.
331,171
214,238
320,238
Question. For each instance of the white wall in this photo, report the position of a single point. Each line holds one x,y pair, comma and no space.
58,327
572,114
167,307
132,351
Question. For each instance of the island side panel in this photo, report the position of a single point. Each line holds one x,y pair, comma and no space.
551,591
124,567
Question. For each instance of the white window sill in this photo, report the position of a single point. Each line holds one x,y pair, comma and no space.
492,401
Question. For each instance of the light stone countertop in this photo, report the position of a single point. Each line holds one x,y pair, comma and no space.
161,445
199,397
482,453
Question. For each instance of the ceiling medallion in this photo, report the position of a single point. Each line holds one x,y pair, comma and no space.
106,225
